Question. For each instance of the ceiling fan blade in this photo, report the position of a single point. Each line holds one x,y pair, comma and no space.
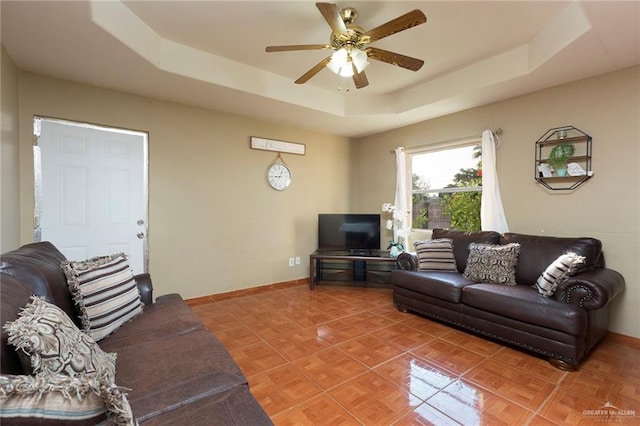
297,47
401,23
313,71
396,59
360,79
332,16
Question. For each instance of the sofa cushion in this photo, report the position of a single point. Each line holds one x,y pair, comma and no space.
541,251
52,342
50,398
435,255
461,241
443,285
105,292
168,316
164,373
235,406
564,266
523,303
30,277
492,263
38,266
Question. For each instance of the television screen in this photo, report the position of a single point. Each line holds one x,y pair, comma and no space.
349,231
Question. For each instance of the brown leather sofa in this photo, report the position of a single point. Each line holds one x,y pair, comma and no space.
176,370
563,328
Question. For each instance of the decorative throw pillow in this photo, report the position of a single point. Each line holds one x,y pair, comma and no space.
105,292
52,342
565,265
494,264
435,255
50,398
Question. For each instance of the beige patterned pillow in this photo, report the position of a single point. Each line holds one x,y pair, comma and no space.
53,343
495,264
50,398
105,292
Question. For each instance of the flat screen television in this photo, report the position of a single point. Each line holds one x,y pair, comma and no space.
349,232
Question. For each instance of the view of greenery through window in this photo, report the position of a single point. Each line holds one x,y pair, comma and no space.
446,188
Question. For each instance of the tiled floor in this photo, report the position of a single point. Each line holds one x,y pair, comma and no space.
346,356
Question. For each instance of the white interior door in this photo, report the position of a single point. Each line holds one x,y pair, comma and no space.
91,191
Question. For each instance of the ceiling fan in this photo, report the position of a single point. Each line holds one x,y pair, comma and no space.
351,44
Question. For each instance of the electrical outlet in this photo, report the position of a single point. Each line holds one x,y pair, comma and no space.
297,260
291,261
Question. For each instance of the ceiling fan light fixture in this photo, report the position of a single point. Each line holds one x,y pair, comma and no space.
339,63
342,59
359,58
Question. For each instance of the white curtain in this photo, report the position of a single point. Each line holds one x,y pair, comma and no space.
401,223
492,217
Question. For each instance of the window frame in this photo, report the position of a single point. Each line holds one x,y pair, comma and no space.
426,149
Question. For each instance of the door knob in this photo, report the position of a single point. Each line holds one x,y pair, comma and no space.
140,235
140,222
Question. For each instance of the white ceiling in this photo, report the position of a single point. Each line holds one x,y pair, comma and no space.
212,54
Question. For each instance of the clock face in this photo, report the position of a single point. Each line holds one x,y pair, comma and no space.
279,177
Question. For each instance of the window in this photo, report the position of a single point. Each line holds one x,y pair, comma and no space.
446,187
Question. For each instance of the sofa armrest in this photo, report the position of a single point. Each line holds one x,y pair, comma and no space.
407,261
169,296
591,289
145,286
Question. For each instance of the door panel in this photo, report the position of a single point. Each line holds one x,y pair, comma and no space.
92,191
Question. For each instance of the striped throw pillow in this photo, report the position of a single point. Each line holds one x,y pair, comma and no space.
435,255
105,292
561,268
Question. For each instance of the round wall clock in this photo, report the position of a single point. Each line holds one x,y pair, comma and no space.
279,176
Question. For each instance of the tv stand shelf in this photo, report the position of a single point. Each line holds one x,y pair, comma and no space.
364,266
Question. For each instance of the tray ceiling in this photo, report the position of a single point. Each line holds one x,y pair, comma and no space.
211,54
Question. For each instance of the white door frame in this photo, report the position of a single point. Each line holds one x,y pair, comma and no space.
37,169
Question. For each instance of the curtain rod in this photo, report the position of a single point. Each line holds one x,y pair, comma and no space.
496,132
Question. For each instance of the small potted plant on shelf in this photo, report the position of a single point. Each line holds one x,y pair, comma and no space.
559,156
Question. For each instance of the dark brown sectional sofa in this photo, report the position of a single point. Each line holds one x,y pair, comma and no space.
563,328
176,371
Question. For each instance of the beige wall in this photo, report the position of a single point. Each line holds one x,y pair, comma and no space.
215,224
9,156
606,207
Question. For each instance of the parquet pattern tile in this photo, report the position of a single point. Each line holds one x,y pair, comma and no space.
367,321
415,375
449,356
298,344
370,350
254,359
346,356
281,388
373,400
330,367
469,404
530,365
236,337
322,410
522,388
402,336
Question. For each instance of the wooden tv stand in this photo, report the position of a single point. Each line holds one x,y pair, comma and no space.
365,266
